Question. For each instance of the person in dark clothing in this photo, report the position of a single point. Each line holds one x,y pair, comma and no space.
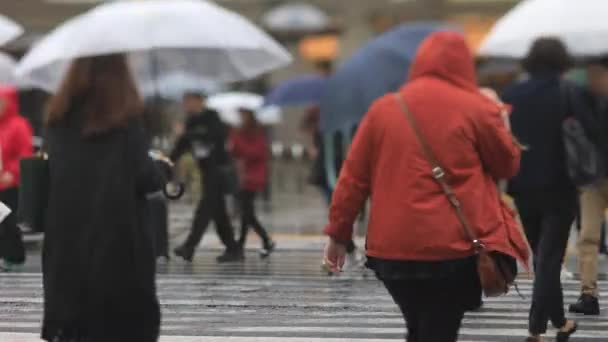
99,258
249,148
205,137
318,177
544,194
594,197
15,144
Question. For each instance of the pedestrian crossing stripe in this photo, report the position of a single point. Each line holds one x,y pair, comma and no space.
279,301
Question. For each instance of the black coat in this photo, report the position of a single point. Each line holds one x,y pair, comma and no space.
204,130
98,258
539,109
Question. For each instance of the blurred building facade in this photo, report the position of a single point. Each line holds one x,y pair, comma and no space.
353,22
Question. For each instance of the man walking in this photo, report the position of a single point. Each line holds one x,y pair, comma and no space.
205,137
594,198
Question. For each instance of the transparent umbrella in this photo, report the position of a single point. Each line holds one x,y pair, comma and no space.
228,104
581,24
190,36
300,17
173,85
7,70
9,30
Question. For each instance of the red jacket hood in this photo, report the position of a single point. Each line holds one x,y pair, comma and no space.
445,55
10,96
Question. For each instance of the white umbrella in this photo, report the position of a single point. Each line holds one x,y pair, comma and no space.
173,85
196,37
9,30
581,24
228,104
7,69
300,17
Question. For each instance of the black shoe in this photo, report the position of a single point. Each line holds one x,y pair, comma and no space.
268,249
587,305
564,336
185,253
231,256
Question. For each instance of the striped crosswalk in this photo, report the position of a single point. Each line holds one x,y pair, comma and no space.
284,299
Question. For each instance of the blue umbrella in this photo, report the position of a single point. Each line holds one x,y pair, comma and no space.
303,90
376,69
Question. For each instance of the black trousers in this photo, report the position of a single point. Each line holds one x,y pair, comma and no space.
433,308
249,219
547,218
212,207
11,239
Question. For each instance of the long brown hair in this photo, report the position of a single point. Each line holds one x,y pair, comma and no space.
103,89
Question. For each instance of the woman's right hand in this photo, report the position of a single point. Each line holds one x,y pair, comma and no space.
335,256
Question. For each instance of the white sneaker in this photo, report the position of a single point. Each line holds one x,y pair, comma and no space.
566,275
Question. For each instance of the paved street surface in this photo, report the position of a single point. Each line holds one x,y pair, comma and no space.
284,299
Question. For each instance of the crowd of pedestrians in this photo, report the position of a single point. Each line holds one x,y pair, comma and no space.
430,169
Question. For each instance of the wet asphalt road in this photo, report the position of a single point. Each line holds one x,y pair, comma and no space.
284,299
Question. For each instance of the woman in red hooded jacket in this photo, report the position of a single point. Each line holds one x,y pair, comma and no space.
249,147
15,144
415,243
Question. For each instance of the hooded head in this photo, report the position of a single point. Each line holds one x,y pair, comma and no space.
9,102
445,55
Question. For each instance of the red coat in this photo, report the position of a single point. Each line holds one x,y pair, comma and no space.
15,135
250,150
411,218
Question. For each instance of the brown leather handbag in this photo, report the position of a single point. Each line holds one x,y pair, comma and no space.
497,271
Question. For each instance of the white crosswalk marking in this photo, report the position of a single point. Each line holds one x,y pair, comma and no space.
285,299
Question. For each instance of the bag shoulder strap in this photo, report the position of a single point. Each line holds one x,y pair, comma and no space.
439,174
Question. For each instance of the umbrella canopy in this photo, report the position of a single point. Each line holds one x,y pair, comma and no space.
228,104
173,85
581,24
191,36
303,90
378,68
296,17
9,30
7,70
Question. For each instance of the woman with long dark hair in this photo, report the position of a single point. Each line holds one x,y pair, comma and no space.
99,258
249,147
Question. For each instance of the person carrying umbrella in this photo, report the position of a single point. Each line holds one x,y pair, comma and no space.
15,144
544,193
99,255
205,137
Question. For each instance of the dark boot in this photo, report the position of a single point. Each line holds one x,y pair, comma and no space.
564,336
235,255
185,253
269,247
586,305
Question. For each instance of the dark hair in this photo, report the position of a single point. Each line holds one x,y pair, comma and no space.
251,113
104,90
325,66
548,54
600,61
196,94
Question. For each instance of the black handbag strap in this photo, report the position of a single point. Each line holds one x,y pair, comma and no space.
439,175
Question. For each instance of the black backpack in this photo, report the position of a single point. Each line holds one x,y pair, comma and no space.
583,159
